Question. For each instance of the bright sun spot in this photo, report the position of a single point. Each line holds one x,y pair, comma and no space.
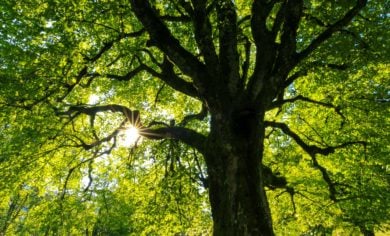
93,99
129,136
49,24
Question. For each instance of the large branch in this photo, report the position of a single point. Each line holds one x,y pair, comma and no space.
360,4
228,54
265,46
84,70
326,177
98,141
279,18
203,34
310,66
187,136
108,45
161,37
260,11
126,77
280,103
312,150
287,48
131,115
167,75
245,65
199,116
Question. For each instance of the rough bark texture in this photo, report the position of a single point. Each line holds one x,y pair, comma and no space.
237,195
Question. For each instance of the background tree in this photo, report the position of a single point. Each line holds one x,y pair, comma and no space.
245,96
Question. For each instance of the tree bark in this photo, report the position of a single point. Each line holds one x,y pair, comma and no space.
236,189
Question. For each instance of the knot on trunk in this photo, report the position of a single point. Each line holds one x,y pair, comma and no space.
244,122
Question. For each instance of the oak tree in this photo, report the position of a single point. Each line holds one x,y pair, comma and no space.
275,105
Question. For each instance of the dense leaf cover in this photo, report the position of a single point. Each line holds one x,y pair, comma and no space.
75,74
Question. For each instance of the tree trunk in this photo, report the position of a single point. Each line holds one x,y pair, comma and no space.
237,196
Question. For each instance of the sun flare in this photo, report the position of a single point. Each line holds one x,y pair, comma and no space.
130,136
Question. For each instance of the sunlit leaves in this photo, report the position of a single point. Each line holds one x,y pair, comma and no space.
59,53
361,96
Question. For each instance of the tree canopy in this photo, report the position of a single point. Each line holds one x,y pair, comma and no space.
259,116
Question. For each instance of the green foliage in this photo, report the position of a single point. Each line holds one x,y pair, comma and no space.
51,56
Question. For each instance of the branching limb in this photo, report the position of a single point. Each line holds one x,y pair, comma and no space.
186,6
130,115
70,87
273,60
128,76
315,19
273,180
288,19
161,37
108,45
326,177
98,141
228,54
201,175
357,37
308,67
204,36
156,99
245,65
337,26
151,56
90,160
27,104
312,150
94,23
185,135
291,191
260,11
287,48
200,116
70,172
265,46
280,103
278,20
167,75
84,70
90,178
294,77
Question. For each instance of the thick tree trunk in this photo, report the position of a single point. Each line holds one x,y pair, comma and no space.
237,196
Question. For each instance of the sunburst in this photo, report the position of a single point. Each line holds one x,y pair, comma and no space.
129,136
